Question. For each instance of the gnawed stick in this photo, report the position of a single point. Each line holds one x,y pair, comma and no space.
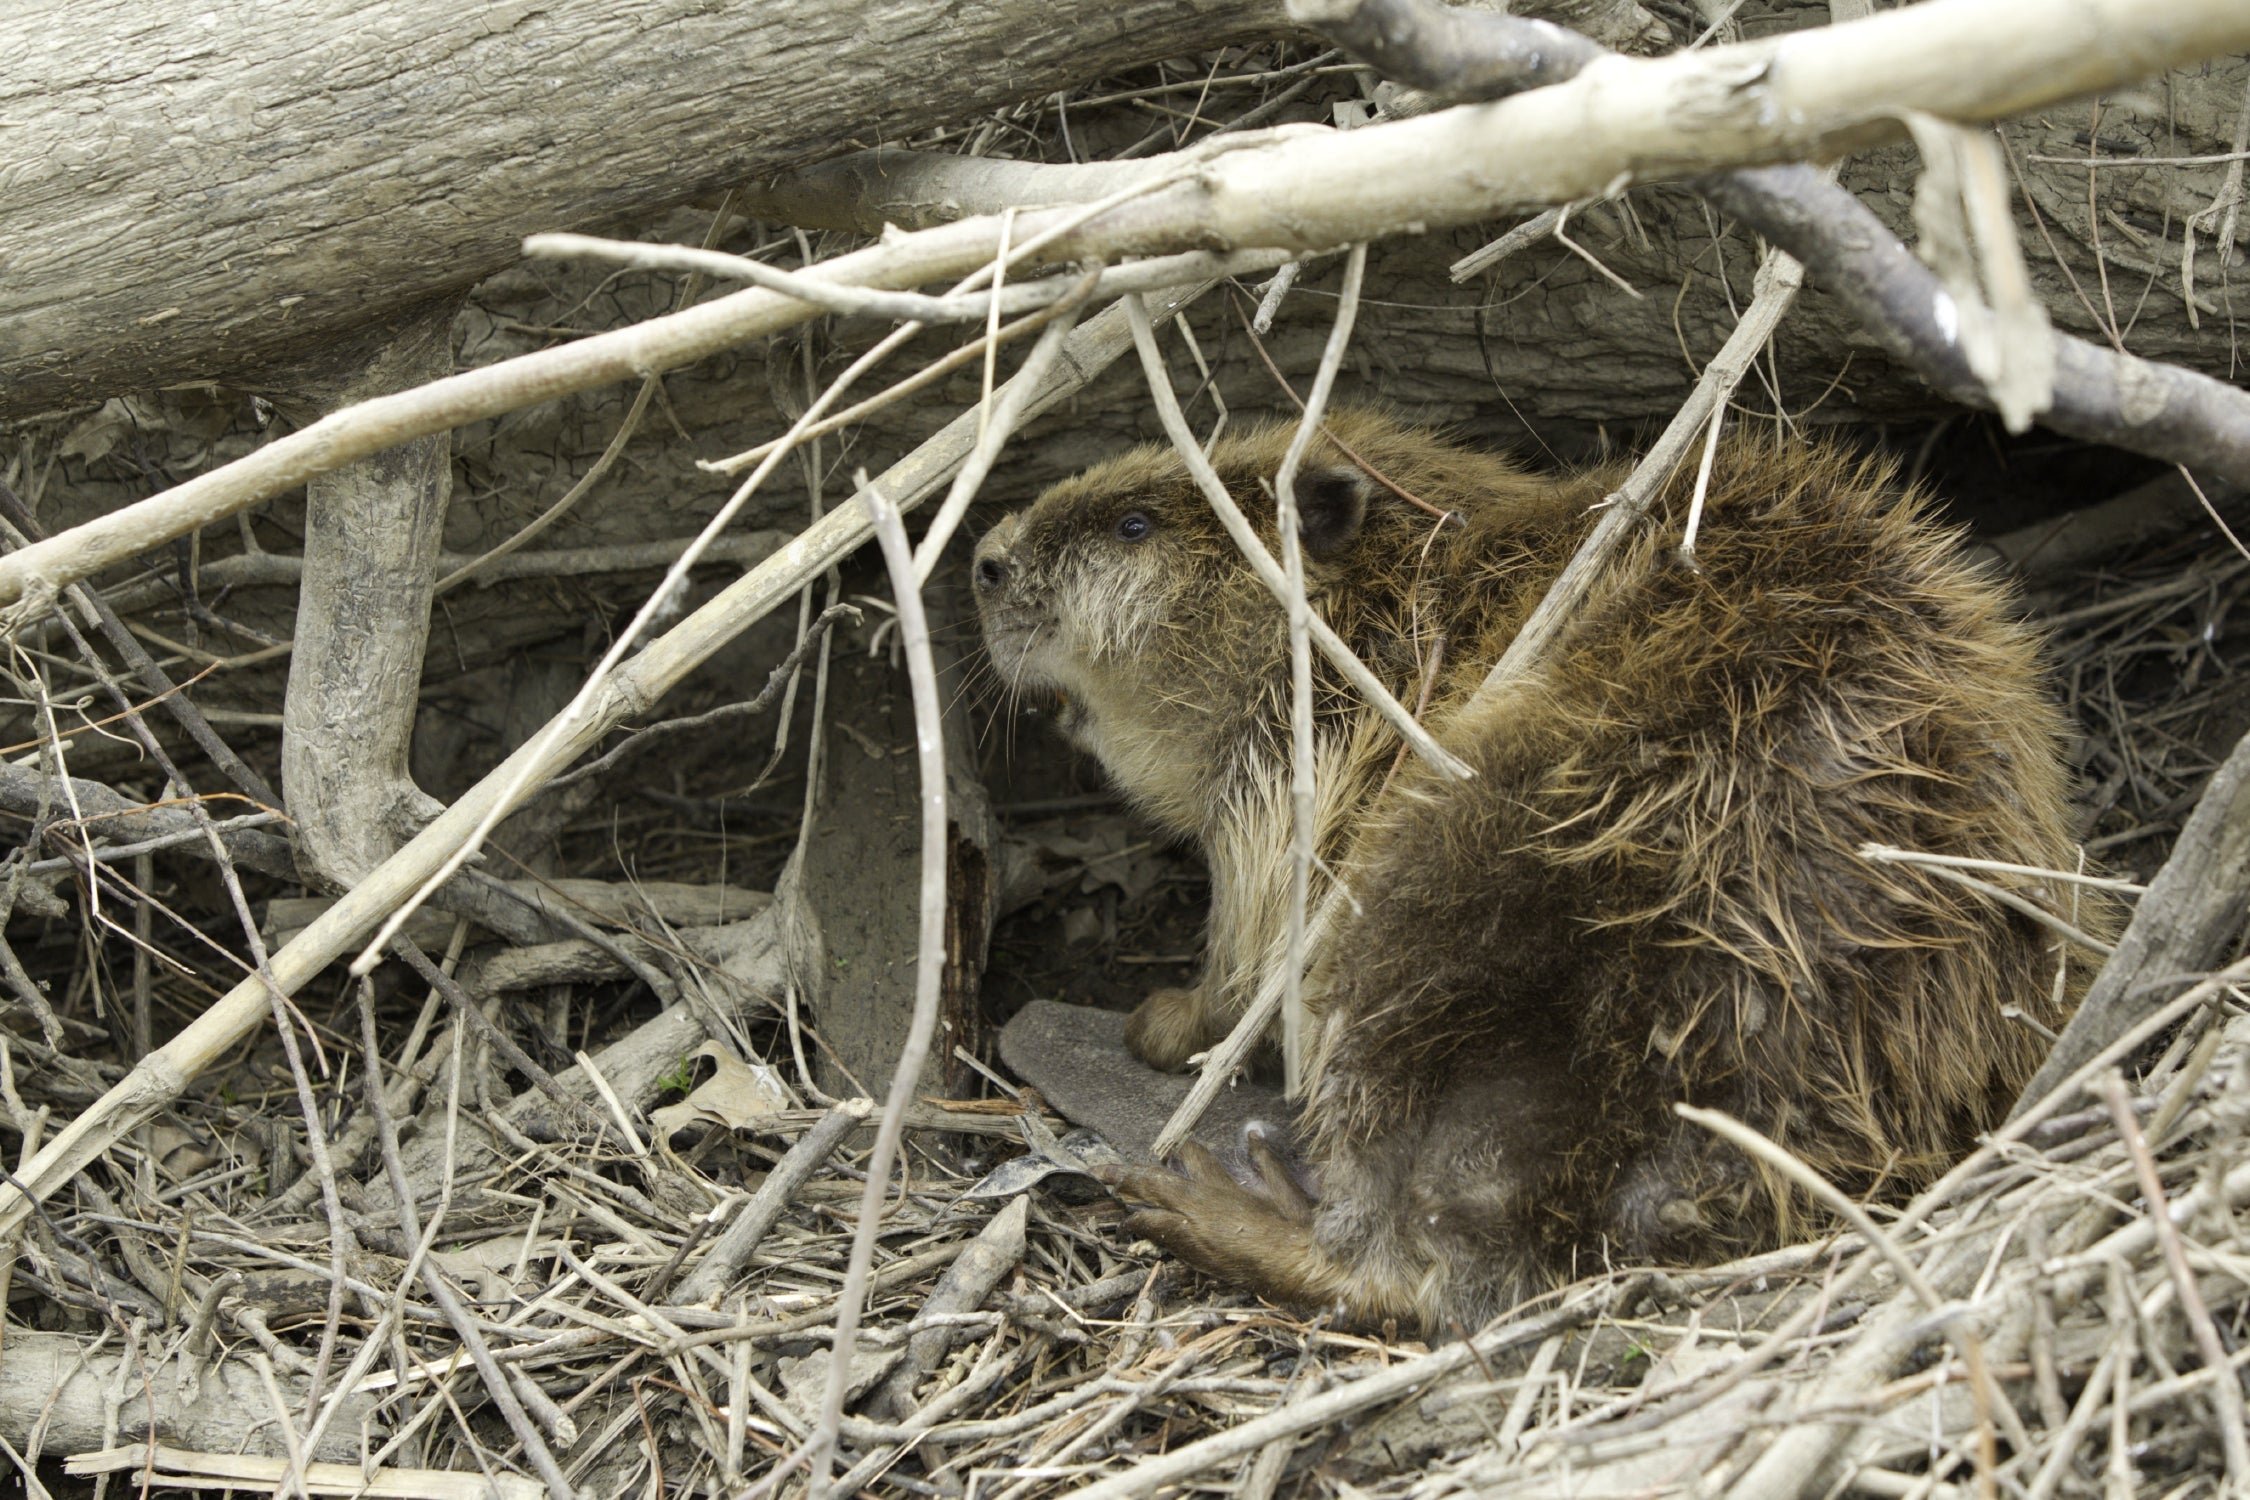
178,1468
962,1289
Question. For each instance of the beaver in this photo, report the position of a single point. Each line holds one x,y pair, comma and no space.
1650,891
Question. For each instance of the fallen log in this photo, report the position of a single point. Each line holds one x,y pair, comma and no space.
262,180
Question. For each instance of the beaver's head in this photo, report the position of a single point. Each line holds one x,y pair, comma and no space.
1122,592
1123,576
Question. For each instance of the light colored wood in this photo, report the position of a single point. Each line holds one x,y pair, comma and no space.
59,1383
372,530
1622,120
177,1468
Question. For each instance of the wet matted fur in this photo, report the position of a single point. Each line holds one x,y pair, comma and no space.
1650,892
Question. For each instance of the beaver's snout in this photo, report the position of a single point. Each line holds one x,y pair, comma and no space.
995,567
1008,600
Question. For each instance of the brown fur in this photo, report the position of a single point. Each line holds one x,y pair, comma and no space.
1649,893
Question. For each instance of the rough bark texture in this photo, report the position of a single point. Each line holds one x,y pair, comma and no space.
2183,926
191,194
52,1382
860,874
363,618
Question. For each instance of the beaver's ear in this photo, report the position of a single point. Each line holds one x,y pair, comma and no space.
1331,508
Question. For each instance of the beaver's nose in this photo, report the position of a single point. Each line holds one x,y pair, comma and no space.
991,572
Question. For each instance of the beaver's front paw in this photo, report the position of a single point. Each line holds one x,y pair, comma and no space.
1260,1235
1168,1028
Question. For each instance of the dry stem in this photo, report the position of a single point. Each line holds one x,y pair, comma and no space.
1303,832
929,970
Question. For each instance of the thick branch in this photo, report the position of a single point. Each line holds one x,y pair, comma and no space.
2143,405
53,1383
113,817
120,819
1809,93
363,616
2100,394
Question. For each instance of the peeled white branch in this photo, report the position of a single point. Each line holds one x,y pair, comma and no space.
1812,93
2100,394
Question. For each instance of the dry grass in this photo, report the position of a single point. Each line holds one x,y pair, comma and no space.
195,1265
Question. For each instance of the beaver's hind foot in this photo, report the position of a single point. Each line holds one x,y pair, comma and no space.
1207,1217
1260,1234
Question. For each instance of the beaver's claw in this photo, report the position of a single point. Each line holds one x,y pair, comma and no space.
1202,1214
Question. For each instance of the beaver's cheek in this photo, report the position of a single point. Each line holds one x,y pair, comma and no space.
1008,642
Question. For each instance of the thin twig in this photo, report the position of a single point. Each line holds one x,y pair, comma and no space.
835,297
776,681
994,431
2226,1390
497,1386
1301,790
1887,854
1153,1473
929,958
1778,280
2031,909
1261,561
1954,1319
732,1250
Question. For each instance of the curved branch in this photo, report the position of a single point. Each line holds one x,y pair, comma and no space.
1804,94
2140,404
2145,406
2099,393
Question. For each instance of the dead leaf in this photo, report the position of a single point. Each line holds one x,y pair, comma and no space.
804,1382
735,1096
182,1153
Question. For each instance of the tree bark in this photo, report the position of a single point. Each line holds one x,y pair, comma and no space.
2182,927
363,616
50,1380
193,195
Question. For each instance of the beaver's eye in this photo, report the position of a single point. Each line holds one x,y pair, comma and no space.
1133,526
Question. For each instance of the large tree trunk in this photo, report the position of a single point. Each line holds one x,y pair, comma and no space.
418,164
192,193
